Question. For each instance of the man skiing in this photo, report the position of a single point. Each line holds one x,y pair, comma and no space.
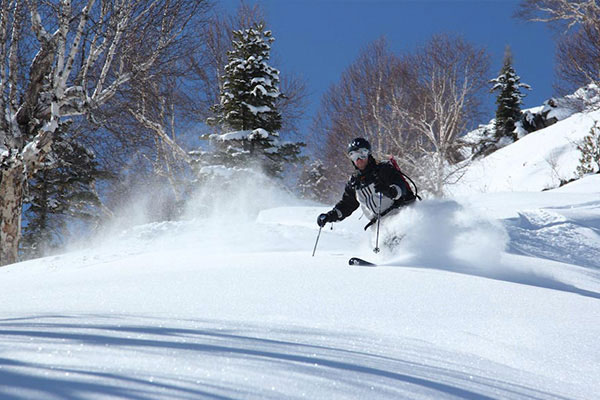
378,187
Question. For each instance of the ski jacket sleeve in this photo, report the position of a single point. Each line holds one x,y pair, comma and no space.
348,204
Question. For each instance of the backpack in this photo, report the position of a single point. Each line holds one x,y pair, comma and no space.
405,178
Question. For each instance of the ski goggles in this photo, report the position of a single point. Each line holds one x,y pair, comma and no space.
358,153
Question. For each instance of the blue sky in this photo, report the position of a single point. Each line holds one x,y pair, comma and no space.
319,39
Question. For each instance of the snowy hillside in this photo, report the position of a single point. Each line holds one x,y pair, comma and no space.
536,162
491,295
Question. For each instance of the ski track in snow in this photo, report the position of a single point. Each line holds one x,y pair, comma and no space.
548,233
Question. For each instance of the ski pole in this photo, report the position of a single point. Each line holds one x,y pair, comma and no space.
317,242
376,249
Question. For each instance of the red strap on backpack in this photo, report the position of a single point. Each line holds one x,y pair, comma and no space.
395,164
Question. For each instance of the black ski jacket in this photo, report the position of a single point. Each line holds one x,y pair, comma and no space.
360,191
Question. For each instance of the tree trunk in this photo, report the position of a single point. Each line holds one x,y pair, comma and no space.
12,181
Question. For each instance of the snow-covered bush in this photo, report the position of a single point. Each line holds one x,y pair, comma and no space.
479,142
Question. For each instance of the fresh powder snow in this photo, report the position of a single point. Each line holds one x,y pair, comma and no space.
493,293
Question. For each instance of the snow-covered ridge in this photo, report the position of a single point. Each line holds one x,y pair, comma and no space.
539,161
482,141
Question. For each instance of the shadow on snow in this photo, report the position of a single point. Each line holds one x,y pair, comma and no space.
296,356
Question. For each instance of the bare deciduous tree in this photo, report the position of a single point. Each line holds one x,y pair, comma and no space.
413,107
85,53
155,111
451,76
578,58
569,12
359,105
578,50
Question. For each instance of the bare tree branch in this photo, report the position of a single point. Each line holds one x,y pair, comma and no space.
571,12
578,50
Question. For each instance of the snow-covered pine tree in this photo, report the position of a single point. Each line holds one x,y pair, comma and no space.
509,99
247,114
250,86
589,161
60,194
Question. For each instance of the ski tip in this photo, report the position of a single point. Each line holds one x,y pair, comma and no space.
360,262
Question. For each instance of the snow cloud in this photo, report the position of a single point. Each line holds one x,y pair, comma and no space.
217,215
236,195
444,234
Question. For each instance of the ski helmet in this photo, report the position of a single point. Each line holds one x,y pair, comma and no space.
359,143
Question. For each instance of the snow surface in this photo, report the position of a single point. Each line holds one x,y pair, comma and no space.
492,294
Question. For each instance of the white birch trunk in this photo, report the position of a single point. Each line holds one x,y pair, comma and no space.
11,186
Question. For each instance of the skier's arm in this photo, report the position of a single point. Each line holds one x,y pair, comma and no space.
342,209
348,204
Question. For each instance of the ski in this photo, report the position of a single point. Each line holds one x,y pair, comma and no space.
360,262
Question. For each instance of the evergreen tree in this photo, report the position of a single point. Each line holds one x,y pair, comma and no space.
589,161
250,86
59,196
247,114
509,99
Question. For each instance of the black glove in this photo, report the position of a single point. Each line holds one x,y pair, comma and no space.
387,191
331,216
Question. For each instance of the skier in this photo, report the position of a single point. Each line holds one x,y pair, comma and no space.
378,187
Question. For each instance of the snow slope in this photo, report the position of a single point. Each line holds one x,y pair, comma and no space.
536,162
488,296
